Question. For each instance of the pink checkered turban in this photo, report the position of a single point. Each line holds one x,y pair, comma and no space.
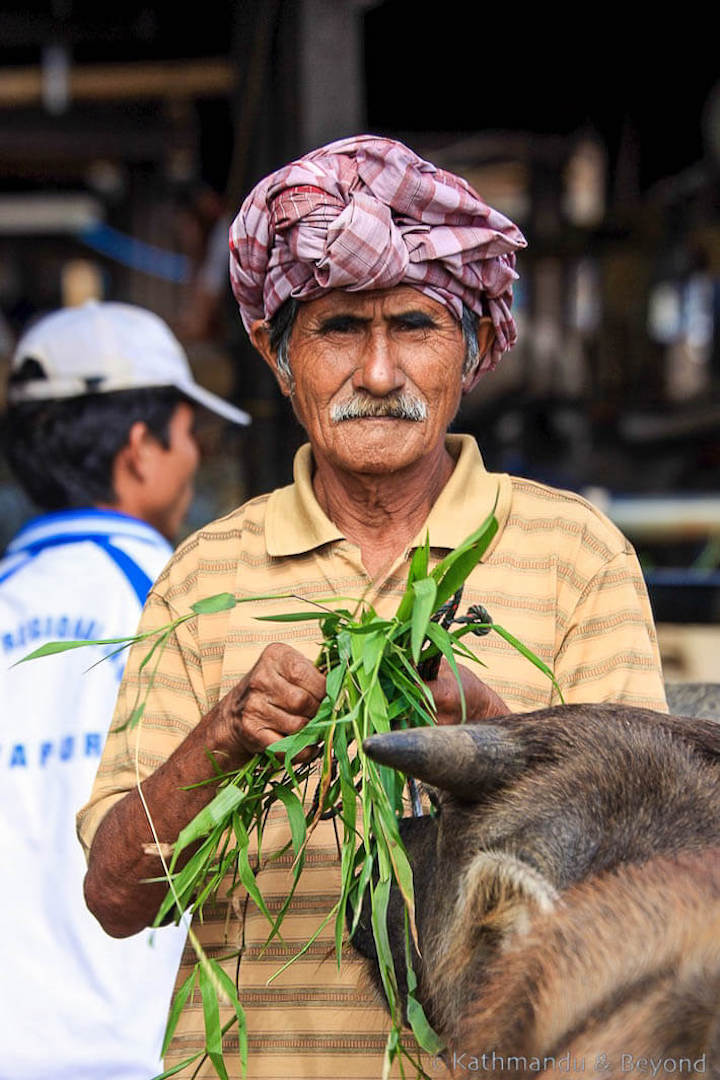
368,213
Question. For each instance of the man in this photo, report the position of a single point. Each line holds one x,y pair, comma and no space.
378,288
99,433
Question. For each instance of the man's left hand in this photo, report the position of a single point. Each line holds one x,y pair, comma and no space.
481,703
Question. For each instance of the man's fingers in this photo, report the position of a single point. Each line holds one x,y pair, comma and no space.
294,700
295,669
261,728
278,696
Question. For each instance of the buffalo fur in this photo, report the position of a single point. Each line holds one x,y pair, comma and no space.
572,906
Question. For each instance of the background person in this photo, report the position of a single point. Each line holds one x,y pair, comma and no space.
379,289
99,434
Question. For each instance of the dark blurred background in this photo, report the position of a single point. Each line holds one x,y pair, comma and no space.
130,133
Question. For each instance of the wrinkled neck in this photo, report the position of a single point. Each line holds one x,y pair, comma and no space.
382,513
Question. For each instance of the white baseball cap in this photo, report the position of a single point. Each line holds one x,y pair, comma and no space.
101,347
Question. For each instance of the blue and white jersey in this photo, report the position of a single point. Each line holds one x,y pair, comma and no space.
75,1004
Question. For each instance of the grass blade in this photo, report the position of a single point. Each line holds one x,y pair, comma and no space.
223,601
418,570
231,991
529,655
425,594
211,1016
295,814
424,1034
215,813
177,1007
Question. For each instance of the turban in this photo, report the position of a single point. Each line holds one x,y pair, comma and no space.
368,213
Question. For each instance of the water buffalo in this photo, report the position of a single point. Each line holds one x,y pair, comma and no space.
567,890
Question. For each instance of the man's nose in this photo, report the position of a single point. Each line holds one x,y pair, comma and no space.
378,371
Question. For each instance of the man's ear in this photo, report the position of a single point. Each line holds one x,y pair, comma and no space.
132,469
485,340
133,457
260,337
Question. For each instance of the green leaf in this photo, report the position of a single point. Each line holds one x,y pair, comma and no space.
420,560
211,1014
470,552
334,681
413,685
215,813
464,563
308,944
184,881
247,877
231,991
425,592
177,1007
461,569
362,883
529,655
372,650
418,570
293,744
370,683
110,655
371,627
295,814
377,709
426,1037
210,604
175,1069
402,871
134,718
380,898
443,640
50,648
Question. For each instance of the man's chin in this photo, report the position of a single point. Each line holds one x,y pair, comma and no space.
379,447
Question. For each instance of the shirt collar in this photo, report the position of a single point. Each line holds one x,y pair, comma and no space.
295,522
82,523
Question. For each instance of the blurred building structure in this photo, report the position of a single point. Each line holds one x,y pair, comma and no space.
130,135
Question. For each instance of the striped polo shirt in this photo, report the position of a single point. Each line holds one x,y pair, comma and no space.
558,575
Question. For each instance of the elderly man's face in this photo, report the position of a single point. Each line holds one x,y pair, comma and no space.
377,377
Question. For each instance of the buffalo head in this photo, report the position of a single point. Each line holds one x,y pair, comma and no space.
568,809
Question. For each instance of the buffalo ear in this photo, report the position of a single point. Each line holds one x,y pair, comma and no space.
498,898
503,894
466,760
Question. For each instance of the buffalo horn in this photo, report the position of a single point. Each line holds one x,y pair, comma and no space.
466,761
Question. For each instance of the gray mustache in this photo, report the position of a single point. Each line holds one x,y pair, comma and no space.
362,407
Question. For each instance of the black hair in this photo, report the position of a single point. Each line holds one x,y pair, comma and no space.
62,451
280,327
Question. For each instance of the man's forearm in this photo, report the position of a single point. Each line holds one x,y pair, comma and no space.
124,856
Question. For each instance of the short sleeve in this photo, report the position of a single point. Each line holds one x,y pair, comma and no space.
609,651
167,689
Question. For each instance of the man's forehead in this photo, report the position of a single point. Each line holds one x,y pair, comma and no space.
385,303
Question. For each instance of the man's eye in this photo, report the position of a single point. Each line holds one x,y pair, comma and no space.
413,320
341,326
414,324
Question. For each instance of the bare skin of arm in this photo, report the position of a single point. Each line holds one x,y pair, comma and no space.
276,698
